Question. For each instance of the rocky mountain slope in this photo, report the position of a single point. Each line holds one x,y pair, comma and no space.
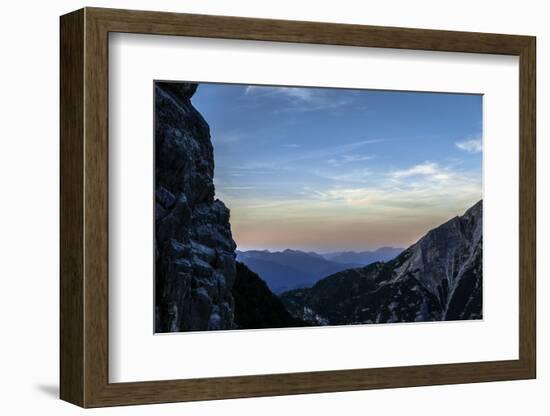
194,249
256,306
438,278
290,269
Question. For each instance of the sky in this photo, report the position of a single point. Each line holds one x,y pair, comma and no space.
328,169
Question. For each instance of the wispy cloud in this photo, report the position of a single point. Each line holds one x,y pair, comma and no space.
450,189
300,99
252,168
303,94
356,158
338,150
331,152
417,175
470,146
427,168
369,207
363,215
359,176
344,159
291,145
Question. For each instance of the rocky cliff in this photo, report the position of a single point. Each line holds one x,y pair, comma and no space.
438,278
194,249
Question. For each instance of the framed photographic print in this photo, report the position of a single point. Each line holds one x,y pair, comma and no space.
256,207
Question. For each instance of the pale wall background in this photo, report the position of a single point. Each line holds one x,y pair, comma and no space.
29,209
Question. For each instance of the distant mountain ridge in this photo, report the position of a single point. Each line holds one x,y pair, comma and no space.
289,269
364,257
437,278
292,269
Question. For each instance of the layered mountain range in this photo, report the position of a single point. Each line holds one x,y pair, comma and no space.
289,269
437,278
294,269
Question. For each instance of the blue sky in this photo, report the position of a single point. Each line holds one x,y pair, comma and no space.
335,169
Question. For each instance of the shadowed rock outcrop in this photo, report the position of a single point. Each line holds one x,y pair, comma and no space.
194,248
438,278
256,307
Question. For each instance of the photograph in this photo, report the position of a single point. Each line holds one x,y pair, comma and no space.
286,206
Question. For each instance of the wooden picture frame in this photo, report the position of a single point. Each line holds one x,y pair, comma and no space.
84,207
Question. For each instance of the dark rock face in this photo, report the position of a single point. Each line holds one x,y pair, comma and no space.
195,252
438,278
256,306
